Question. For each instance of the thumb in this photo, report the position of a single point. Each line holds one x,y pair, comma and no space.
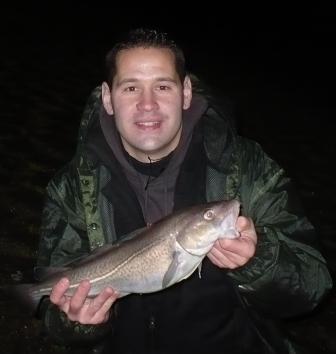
243,223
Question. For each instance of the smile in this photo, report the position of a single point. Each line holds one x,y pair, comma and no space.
144,125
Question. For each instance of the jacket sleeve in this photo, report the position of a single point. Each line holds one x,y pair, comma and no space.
287,276
63,239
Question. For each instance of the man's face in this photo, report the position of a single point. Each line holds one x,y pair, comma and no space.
147,99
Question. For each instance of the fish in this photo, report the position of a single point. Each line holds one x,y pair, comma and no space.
158,257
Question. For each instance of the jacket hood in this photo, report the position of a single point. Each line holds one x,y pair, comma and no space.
189,119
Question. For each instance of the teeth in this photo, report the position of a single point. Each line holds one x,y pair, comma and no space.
148,124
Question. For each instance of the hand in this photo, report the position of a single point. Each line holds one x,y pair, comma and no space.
234,253
79,307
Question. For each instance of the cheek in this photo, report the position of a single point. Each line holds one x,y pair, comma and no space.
121,104
123,126
122,113
119,118
172,107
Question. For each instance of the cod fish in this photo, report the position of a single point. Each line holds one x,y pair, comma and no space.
159,256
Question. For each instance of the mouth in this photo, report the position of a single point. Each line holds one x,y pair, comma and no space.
153,125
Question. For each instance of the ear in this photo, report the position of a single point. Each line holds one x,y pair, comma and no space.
107,99
187,92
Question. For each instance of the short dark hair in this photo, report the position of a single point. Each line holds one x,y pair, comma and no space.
144,38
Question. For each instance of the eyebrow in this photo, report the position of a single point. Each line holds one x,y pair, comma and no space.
134,80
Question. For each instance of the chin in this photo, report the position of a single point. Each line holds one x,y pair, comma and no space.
150,146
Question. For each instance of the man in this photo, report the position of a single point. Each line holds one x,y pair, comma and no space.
150,144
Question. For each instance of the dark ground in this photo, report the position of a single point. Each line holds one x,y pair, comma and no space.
278,70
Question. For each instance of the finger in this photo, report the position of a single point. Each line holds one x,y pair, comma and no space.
99,300
243,223
234,246
65,305
234,258
102,314
221,263
78,299
214,260
220,260
246,228
57,293
244,246
226,258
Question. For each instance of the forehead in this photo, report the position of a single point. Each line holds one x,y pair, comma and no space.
145,60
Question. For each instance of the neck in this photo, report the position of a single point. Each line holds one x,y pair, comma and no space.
154,155
152,167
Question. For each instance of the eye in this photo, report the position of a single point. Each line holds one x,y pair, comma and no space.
209,214
163,87
130,88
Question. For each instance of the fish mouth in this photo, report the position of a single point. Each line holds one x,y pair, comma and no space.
230,233
228,225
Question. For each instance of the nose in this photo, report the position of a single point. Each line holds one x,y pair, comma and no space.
147,101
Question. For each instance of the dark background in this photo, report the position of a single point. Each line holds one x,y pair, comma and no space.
274,65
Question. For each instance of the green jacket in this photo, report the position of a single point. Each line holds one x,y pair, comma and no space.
286,277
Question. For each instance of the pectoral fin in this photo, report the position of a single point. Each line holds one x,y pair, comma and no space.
182,266
172,271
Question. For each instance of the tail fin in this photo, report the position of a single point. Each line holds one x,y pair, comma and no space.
23,295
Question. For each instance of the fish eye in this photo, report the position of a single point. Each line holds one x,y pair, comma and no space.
209,214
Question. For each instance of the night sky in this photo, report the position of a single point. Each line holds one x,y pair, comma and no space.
240,50
285,45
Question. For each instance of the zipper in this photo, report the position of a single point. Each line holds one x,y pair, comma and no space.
152,323
151,327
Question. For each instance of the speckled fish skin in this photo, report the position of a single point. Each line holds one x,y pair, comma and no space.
159,256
